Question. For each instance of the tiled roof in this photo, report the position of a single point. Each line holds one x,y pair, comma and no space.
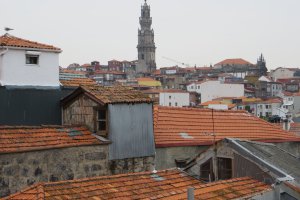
76,82
109,72
8,40
295,128
167,184
110,95
235,61
193,126
20,139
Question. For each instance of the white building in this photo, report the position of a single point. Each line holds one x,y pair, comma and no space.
28,63
282,73
175,98
269,108
214,89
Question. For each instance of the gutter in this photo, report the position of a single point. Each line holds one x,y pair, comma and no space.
287,176
33,49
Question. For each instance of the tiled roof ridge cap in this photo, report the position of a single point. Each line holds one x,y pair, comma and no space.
157,107
3,127
46,184
34,186
30,41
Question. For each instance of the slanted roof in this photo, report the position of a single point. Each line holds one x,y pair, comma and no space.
277,158
166,184
234,61
193,126
109,94
148,82
295,128
8,40
76,82
20,139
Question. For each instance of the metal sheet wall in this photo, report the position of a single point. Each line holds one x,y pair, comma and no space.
29,106
131,131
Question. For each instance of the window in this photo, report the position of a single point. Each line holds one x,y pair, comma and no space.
101,120
176,104
170,104
32,59
143,56
169,97
206,171
198,86
224,168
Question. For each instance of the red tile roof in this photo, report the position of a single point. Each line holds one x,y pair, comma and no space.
76,82
109,72
192,126
21,139
295,128
167,184
8,40
235,61
110,95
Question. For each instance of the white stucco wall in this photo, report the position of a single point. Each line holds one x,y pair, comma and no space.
182,99
282,73
214,89
14,70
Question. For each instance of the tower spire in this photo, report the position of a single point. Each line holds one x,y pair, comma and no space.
146,46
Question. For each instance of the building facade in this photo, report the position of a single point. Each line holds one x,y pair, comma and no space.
28,63
214,89
146,46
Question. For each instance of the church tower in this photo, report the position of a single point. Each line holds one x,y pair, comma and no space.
261,65
146,46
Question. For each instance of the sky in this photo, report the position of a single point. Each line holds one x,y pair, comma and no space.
195,32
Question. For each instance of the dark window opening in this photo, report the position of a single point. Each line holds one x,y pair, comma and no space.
102,120
181,163
32,59
206,171
143,56
224,168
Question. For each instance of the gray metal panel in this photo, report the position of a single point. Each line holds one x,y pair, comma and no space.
31,106
130,131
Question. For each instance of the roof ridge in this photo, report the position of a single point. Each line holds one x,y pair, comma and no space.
109,176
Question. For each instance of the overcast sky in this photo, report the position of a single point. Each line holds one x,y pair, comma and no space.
200,32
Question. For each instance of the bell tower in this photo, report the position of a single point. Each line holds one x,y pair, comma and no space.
146,46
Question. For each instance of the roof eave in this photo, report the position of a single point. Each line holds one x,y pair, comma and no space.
33,49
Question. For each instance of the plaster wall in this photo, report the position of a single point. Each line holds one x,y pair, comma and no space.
15,71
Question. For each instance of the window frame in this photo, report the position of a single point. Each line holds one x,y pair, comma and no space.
102,132
32,54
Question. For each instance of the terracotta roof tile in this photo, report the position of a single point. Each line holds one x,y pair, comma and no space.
110,95
235,61
191,126
295,128
21,139
166,184
76,82
8,40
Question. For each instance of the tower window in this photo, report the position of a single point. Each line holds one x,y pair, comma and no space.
143,56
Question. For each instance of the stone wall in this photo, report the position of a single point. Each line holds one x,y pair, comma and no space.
19,170
131,165
165,157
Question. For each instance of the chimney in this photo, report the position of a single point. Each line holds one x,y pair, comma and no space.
190,193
